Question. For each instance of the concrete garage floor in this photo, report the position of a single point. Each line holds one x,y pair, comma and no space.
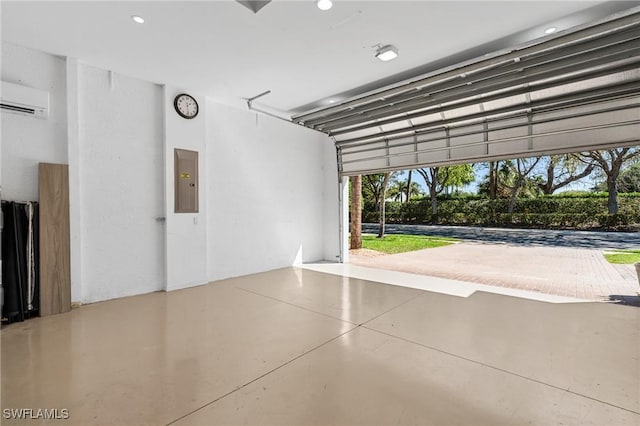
300,347
522,259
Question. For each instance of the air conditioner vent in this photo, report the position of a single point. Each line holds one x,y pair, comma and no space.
24,100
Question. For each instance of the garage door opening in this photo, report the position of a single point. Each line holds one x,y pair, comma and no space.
570,92
541,225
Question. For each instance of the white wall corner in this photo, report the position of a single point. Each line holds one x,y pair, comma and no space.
168,185
73,155
331,201
344,220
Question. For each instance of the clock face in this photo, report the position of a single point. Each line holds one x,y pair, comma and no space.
186,106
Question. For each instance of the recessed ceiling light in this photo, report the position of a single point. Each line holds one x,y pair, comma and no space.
550,30
386,53
324,4
137,19
332,101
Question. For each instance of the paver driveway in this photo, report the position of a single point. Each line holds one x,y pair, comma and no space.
560,270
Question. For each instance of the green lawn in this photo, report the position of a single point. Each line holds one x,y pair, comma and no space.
623,256
403,243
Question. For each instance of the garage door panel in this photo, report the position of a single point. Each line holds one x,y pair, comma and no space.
510,148
433,151
587,138
467,142
395,126
432,118
405,154
508,135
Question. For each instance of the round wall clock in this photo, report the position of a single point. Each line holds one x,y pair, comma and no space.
185,105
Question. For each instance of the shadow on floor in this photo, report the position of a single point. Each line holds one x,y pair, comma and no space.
625,300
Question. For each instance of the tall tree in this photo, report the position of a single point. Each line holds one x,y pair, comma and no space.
433,179
629,180
397,189
460,176
415,190
438,178
521,170
409,185
383,196
563,170
493,179
356,212
403,190
372,188
491,185
610,162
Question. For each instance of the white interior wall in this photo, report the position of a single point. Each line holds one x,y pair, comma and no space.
268,189
27,141
186,233
265,192
122,190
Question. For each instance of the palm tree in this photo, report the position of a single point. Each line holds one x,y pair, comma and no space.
356,212
397,190
403,190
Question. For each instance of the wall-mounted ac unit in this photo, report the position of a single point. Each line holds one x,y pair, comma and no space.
24,100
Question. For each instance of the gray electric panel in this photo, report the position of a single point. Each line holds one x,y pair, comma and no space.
186,181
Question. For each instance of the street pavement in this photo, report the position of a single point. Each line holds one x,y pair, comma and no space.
520,237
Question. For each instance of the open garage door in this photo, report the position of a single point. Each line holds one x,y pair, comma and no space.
578,90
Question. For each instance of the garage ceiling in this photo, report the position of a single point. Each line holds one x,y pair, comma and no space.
306,57
578,90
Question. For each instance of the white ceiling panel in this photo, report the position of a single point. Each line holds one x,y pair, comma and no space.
306,57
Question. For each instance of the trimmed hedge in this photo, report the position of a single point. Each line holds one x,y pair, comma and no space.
552,212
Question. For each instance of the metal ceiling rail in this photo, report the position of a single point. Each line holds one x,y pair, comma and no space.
572,99
481,99
585,68
486,113
618,24
578,57
349,150
475,93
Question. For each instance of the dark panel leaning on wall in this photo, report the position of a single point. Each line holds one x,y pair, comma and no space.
20,260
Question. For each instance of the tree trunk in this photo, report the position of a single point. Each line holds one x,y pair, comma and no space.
383,197
514,195
433,195
612,184
356,212
409,187
612,202
493,179
382,220
548,188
